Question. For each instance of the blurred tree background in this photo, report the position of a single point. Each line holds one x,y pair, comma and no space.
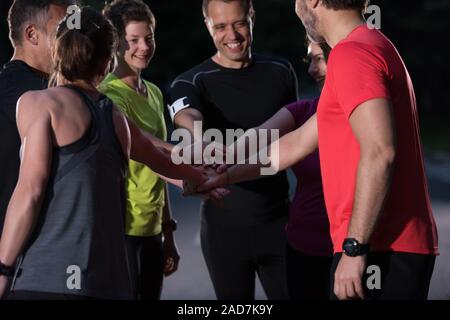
419,29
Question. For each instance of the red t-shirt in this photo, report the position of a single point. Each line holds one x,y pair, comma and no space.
362,67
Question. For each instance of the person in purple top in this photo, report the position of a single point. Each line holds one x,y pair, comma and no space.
309,248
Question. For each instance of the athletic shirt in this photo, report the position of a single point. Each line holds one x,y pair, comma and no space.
240,99
79,234
16,78
145,190
308,229
365,66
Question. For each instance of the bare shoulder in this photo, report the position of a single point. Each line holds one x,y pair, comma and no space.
34,107
38,101
33,103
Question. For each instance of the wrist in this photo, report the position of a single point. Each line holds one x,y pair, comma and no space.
197,177
351,247
168,227
6,270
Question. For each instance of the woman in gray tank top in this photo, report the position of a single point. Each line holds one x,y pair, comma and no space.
64,228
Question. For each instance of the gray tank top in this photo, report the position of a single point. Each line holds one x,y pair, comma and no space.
78,244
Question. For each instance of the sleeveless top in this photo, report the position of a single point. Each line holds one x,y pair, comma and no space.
78,244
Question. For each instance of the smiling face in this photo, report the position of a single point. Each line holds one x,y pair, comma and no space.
137,46
231,28
317,64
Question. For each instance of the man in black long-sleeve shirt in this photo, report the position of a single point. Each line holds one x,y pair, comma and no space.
237,90
31,24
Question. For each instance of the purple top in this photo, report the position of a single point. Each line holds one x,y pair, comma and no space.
308,229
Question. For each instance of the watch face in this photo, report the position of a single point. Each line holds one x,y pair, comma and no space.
350,247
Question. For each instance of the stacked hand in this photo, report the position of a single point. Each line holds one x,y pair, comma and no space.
215,194
213,154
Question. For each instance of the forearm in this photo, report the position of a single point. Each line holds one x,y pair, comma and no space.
167,216
187,119
176,182
158,142
155,140
19,222
167,210
257,138
160,161
284,153
251,143
372,186
292,148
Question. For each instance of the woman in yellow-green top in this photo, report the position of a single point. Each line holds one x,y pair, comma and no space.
149,227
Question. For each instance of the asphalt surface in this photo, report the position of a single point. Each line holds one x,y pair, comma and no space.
191,281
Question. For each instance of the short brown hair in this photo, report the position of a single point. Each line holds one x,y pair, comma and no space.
248,4
31,11
81,53
122,12
345,4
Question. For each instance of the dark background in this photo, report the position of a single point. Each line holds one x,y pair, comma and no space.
419,29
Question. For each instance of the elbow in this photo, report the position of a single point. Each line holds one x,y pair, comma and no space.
34,192
390,155
385,155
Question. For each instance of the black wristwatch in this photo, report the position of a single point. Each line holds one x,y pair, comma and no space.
6,270
170,225
353,248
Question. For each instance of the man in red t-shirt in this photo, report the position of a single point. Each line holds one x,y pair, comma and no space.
381,223
371,158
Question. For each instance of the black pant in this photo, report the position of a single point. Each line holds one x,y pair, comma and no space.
308,276
404,276
146,262
235,254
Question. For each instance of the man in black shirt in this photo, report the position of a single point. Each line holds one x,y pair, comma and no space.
236,90
31,24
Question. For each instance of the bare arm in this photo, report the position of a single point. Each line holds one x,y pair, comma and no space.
290,149
155,140
373,125
141,149
283,121
171,254
186,118
161,144
176,182
34,124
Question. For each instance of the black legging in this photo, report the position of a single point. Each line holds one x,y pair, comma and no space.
235,254
308,276
146,261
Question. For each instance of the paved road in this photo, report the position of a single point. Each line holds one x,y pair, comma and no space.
192,281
